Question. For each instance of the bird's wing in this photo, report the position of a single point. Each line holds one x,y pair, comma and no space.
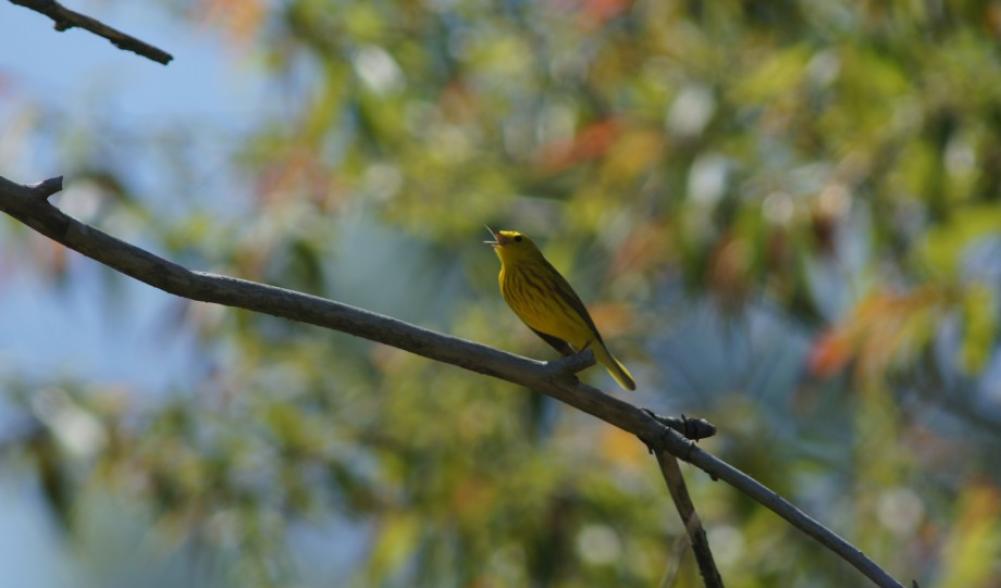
566,293
558,344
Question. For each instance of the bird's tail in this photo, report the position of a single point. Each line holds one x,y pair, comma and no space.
614,366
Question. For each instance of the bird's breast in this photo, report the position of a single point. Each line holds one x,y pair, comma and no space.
532,299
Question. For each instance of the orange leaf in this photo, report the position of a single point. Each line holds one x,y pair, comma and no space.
829,354
589,144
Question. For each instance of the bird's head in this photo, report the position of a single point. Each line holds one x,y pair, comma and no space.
512,246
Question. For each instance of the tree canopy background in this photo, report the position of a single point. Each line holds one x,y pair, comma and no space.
784,215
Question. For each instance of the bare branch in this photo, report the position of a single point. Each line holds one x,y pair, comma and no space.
719,469
571,364
690,519
64,19
48,187
25,204
694,429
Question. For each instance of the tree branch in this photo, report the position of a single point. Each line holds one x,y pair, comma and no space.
571,364
674,562
690,519
64,19
31,207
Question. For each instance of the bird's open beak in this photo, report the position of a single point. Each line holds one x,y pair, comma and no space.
496,241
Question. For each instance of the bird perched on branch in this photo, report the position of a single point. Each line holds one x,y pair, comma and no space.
546,303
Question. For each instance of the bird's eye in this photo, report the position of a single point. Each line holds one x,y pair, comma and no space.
518,238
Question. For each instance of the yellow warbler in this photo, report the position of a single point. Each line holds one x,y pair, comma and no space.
544,301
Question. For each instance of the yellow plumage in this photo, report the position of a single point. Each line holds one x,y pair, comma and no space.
544,300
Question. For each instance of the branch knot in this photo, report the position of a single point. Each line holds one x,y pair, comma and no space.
48,187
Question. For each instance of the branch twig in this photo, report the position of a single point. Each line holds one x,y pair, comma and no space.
690,519
31,207
674,562
64,19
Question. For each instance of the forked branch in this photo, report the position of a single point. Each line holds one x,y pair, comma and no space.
30,206
690,519
64,19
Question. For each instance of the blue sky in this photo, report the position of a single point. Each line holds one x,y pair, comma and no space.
50,332
47,330
206,77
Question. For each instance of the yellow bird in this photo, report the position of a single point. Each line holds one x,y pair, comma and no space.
544,301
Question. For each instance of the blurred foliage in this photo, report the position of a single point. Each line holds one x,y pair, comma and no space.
785,216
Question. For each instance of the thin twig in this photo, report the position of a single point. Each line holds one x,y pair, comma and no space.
64,19
48,187
690,519
33,209
765,496
674,561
